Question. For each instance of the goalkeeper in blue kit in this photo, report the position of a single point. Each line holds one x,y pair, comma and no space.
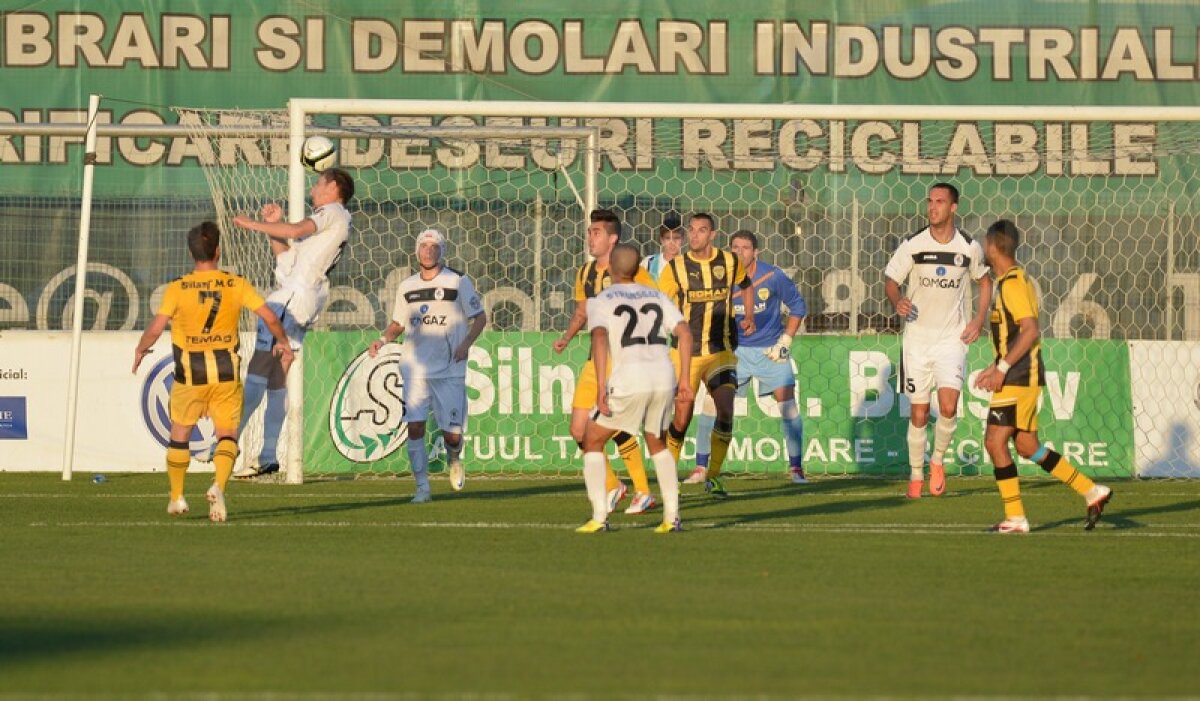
764,355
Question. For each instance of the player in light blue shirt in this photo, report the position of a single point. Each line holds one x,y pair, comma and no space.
670,240
765,354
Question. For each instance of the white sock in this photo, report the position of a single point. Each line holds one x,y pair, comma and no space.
593,479
418,458
943,431
916,451
668,484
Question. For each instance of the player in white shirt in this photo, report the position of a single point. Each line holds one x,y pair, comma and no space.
628,323
440,314
305,252
937,262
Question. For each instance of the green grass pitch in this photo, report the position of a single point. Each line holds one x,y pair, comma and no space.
839,589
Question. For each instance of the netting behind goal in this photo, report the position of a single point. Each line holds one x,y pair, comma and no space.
1108,212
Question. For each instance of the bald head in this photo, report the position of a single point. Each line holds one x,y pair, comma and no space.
623,262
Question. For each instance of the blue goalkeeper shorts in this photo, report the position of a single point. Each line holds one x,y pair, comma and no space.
753,364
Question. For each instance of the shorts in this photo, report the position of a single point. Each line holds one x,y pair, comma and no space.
296,312
924,366
586,388
637,412
753,364
1015,407
714,369
221,401
447,395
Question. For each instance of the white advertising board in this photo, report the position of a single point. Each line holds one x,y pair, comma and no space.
122,420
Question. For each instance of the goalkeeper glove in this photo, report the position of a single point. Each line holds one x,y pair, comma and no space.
782,350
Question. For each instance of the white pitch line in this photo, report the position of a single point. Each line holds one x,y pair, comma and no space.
797,492
869,529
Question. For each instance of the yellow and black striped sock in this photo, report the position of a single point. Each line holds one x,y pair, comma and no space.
178,459
722,434
1064,471
675,441
1010,491
631,455
223,459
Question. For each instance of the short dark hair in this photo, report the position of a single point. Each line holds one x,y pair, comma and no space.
1005,236
948,188
203,240
747,235
712,222
609,218
345,183
670,223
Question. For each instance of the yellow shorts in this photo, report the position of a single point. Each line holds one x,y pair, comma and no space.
587,390
714,369
222,401
1015,407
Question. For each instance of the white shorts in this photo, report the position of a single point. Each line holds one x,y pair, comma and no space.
924,366
447,395
636,412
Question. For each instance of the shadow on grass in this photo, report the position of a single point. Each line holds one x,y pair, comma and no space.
808,501
1117,518
473,492
32,638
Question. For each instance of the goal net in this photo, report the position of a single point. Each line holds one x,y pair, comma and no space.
1107,207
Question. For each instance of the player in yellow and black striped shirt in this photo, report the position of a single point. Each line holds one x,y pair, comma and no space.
1016,381
203,309
702,283
603,233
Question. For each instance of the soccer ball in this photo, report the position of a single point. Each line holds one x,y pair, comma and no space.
319,153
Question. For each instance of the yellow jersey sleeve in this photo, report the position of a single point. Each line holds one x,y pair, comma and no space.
643,277
667,283
170,300
740,278
251,299
1018,297
580,294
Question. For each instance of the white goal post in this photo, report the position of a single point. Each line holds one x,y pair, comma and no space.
1105,196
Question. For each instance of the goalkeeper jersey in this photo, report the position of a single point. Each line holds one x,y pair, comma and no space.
773,290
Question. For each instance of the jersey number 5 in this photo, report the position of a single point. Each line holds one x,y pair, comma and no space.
655,336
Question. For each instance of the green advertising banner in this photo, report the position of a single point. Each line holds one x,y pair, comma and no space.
520,391
147,56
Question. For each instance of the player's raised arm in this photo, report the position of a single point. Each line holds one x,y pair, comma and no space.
278,229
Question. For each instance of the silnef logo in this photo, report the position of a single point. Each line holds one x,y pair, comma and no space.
156,410
366,415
